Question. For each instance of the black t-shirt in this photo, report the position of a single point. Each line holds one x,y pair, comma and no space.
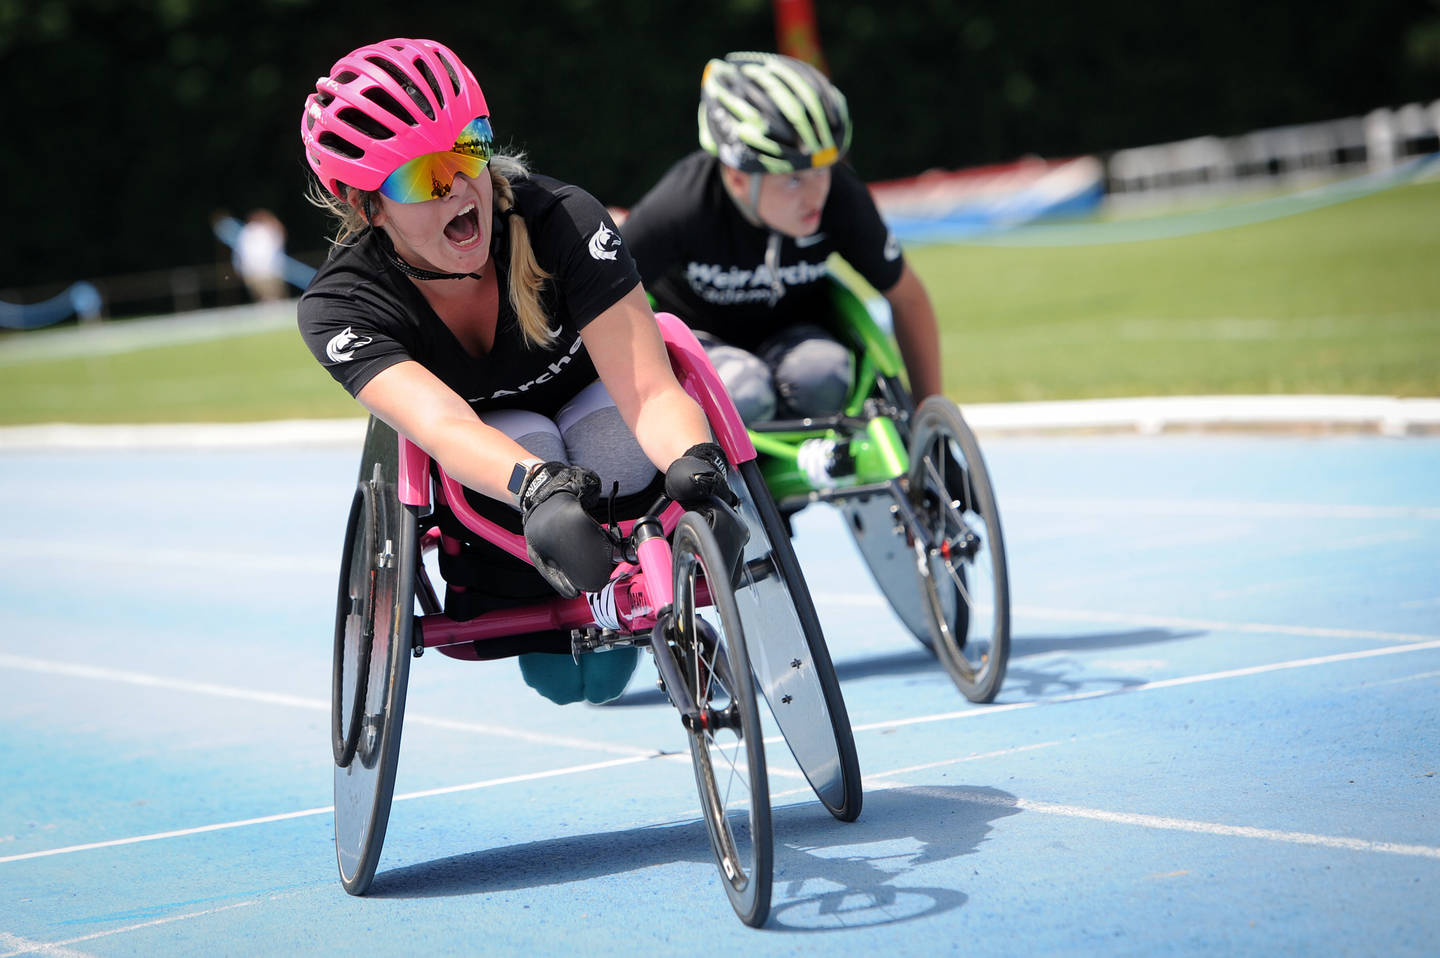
702,260
361,315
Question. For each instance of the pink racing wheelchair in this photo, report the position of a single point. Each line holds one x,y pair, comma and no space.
718,623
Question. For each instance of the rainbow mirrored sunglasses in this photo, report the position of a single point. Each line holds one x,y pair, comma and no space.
430,176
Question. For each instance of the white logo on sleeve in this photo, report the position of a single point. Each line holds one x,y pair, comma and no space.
342,346
892,248
605,243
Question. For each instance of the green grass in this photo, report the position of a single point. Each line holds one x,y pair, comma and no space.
1339,300
244,378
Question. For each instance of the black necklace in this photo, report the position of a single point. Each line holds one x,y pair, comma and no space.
415,272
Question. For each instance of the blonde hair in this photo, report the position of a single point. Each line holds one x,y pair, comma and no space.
527,277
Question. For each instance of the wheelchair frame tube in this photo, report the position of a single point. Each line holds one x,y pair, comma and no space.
700,381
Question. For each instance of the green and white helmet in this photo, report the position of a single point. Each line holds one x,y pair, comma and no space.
767,113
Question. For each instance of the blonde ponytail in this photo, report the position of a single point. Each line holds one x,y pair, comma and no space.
526,275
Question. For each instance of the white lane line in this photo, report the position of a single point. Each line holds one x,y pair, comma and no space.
329,809
1211,507
1187,824
531,776
75,670
825,600
1420,677
57,948
883,780
1213,625
893,723
23,946
31,551
158,836
1149,686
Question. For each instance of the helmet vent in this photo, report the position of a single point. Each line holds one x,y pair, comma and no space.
398,75
338,144
390,105
424,70
450,69
367,125
344,76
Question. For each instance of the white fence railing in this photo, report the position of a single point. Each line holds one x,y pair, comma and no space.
1373,143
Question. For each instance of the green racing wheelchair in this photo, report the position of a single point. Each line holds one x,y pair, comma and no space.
914,492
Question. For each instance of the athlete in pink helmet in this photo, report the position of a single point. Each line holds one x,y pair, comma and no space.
495,318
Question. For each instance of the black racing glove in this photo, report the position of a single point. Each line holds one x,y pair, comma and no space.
569,548
699,474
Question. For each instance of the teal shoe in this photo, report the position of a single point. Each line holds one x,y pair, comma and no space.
598,677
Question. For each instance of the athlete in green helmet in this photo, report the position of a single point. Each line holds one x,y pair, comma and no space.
735,237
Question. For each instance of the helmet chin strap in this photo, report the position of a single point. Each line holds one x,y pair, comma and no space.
749,207
772,262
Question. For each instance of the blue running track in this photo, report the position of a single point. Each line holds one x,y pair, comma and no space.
1220,732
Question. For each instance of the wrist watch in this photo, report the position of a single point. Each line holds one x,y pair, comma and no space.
518,474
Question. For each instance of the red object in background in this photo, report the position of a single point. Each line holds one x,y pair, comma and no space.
796,34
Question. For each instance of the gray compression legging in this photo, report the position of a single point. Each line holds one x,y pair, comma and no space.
587,431
800,371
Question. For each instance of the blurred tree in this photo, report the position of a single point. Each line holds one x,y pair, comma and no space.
155,114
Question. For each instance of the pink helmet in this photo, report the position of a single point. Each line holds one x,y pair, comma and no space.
383,105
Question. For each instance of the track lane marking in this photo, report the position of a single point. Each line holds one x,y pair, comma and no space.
330,809
1150,686
58,948
1214,507
1166,823
1213,625
77,670
27,552
632,759
874,600
24,946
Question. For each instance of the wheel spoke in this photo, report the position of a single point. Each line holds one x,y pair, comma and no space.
958,581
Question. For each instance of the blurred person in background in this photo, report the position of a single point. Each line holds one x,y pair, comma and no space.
260,255
734,239
494,317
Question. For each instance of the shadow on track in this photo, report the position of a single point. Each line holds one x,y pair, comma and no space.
827,875
1021,682
1039,667
1039,645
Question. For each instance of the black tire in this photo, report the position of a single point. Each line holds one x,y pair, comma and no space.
727,749
963,576
787,649
374,623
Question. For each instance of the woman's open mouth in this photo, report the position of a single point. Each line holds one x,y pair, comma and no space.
464,230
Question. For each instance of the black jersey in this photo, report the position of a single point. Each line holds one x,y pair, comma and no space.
361,315
702,260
